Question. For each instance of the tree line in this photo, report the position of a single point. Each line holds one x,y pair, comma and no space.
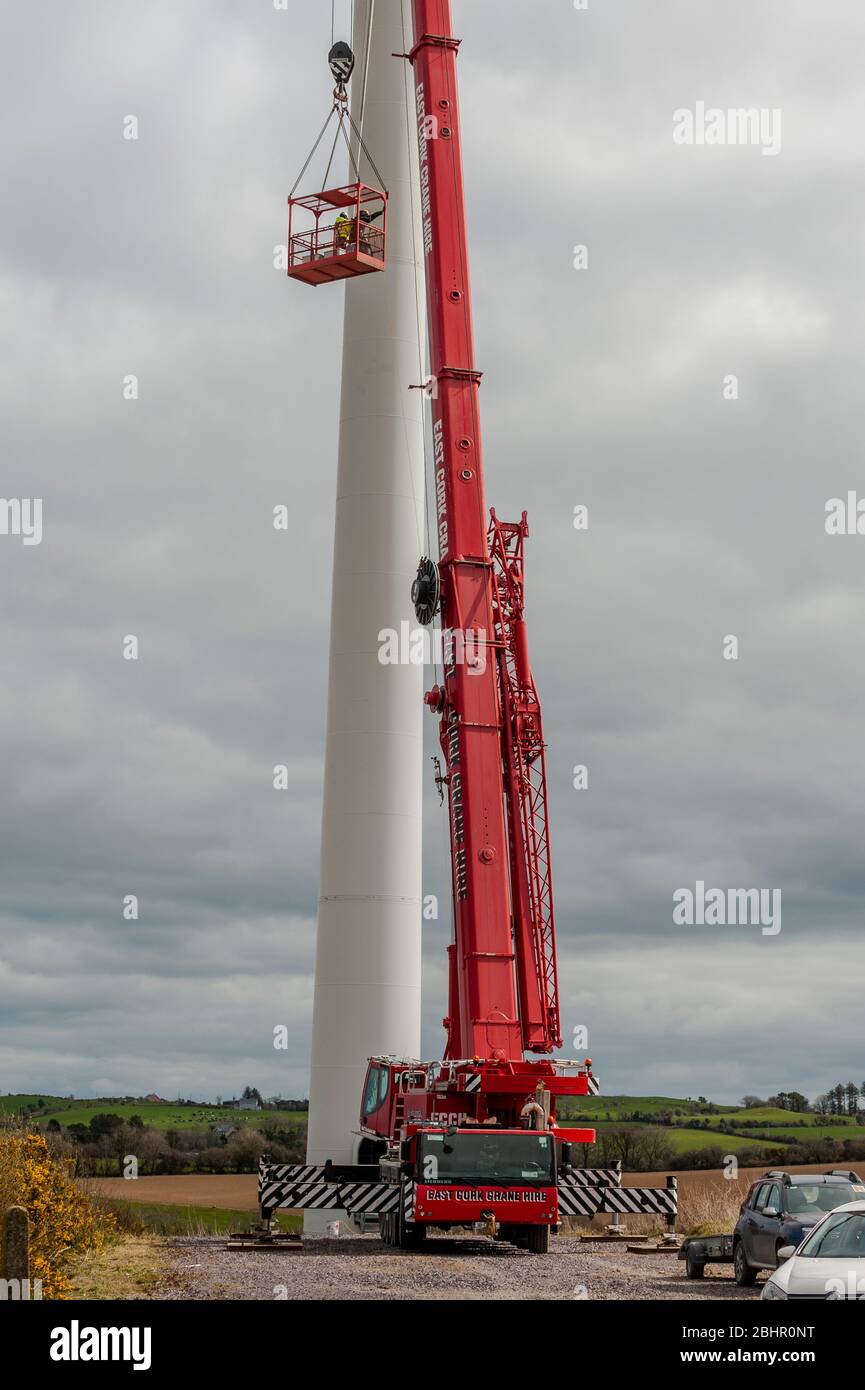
104,1147
842,1099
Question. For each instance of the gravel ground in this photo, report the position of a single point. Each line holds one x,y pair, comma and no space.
360,1267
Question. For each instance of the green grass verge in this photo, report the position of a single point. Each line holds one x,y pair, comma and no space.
168,1220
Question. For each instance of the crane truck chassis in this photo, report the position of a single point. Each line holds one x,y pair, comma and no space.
473,1139
450,1155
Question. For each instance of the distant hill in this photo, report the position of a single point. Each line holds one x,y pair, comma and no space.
162,1115
688,1125
685,1124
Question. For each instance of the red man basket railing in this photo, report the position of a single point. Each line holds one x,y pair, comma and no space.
337,234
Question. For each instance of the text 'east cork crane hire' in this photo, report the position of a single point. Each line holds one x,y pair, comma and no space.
472,1138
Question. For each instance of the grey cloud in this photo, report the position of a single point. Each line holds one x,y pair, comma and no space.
601,386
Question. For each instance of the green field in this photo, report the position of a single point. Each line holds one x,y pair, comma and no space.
687,1140
772,1128
683,1140
764,1122
163,1116
619,1108
768,1115
816,1132
10,1104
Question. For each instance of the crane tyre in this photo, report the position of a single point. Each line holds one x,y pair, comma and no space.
539,1240
408,1235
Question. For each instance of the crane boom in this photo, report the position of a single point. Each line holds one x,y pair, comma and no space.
502,978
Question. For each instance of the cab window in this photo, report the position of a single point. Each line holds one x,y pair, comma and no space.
371,1094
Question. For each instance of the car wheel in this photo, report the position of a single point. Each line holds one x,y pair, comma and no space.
745,1273
695,1268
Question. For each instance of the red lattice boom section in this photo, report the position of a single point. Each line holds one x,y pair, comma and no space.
526,795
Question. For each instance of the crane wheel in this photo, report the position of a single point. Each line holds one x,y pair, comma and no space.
389,1227
407,1235
411,1237
539,1240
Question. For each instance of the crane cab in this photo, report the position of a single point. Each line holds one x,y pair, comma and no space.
377,1103
338,234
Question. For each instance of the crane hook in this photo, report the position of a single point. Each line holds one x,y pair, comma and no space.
341,62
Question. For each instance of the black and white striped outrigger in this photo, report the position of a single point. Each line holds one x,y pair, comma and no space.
302,1187
582,1192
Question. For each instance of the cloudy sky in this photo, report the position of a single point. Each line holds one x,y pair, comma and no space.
602,386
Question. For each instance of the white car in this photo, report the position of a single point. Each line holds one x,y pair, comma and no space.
829,1263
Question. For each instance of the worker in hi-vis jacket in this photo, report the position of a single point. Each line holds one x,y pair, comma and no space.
344,228
347,228
365,238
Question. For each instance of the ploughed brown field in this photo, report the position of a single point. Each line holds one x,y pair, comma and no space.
713,1178
703,1196
226,1191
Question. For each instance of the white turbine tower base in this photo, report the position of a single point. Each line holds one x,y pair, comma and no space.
368,944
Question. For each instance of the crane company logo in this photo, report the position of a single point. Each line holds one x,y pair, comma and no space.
742,907
426,129
423,646
22,516
77,1343
441,487
482,1194
736,126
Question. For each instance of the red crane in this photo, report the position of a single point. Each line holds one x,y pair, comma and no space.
503,985
474,1138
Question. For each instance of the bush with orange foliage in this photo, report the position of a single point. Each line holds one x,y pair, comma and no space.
63,1220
